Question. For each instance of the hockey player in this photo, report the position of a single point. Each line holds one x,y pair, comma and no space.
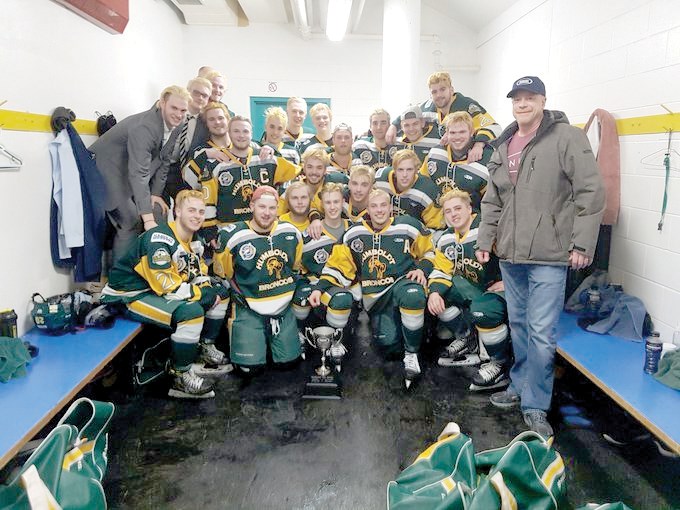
322,116
361,181
275,121
297,201
337,302
295,135
373,150
464,295
444,100
448,166
341,155
260,258
163,280
412,194
230,185
418,136
390,257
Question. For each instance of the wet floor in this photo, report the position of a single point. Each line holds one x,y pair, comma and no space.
259,445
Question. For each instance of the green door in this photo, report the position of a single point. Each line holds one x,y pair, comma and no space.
258,105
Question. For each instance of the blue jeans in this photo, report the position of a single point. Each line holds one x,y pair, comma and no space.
535,297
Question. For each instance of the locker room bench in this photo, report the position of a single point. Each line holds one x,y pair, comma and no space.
615,366
65,364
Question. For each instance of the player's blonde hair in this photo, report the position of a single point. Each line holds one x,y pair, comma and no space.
379,193
404,155
211,75
456,193
439,76
215,105
362,171
295,99
175,90
332,187
463,117
316,153
240,118
200,81
186,194
318,107
294,186
276,112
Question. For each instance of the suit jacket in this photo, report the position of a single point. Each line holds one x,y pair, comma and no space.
133,159
174,183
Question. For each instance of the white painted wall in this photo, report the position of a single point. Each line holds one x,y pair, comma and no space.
623,56
124,73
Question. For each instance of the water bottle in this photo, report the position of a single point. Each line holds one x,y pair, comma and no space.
8,323
653,347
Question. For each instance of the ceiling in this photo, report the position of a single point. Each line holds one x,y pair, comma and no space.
365,19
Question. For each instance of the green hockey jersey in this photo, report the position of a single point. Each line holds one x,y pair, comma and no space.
315,252
261,268
314,142
422,145
420,201
350,210
296,142
159,261
370,154
448,173
455,257
378,258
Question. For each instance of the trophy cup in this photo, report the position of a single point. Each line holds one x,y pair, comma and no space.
324,384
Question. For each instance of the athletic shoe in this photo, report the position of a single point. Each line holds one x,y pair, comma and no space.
411,367
189,385
211,355
537,421
491,375
505,399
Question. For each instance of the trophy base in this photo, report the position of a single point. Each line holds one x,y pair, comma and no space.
322,388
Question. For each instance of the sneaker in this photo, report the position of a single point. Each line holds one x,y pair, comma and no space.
411,366
189,385
211,355
505,399
491,375
537,421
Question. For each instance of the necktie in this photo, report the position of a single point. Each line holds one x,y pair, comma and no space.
184,139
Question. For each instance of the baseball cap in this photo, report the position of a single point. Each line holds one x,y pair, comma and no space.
264,190
412,112
528,83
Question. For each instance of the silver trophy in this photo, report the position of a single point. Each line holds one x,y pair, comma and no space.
323,385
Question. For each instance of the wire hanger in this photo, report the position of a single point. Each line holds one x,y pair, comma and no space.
7,159
657,159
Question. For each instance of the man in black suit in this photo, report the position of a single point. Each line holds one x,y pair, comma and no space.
134,157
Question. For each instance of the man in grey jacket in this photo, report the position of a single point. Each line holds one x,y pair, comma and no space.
541,215
133,157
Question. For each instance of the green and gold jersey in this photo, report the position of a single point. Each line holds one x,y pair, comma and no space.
422,145
378,258
260,267
159,261
350,210
370,154
448,173
420,201
229,186
296,142
200,166
314,142
337,167
316,206
455,256
315,252
301,226
287,153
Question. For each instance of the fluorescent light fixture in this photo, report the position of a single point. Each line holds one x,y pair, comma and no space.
338,17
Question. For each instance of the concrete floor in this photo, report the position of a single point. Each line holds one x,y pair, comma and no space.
259,445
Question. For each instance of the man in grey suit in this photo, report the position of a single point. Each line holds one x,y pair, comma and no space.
134,157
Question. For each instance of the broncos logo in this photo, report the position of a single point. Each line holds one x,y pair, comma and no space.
274,265
246,193
375,264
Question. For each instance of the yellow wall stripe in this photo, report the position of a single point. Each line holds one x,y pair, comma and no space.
24,121
646,125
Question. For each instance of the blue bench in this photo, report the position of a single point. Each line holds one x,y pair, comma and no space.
615,366
63,367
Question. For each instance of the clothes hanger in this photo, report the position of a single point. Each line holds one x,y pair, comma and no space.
7,159
657,159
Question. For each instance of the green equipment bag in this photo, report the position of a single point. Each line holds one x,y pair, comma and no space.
55,314
152,363
66,469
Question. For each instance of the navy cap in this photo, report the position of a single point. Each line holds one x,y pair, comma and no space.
528,83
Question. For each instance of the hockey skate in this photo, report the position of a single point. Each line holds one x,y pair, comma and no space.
411,368
189,385
303,345
462,352
211,362
337,352
491,375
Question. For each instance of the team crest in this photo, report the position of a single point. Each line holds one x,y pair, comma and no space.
366,157
474,108
228,227
246,193
377,265
392,151
431,167
321,256
450,252
274,267
247,251
357,245
161,257
225,179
